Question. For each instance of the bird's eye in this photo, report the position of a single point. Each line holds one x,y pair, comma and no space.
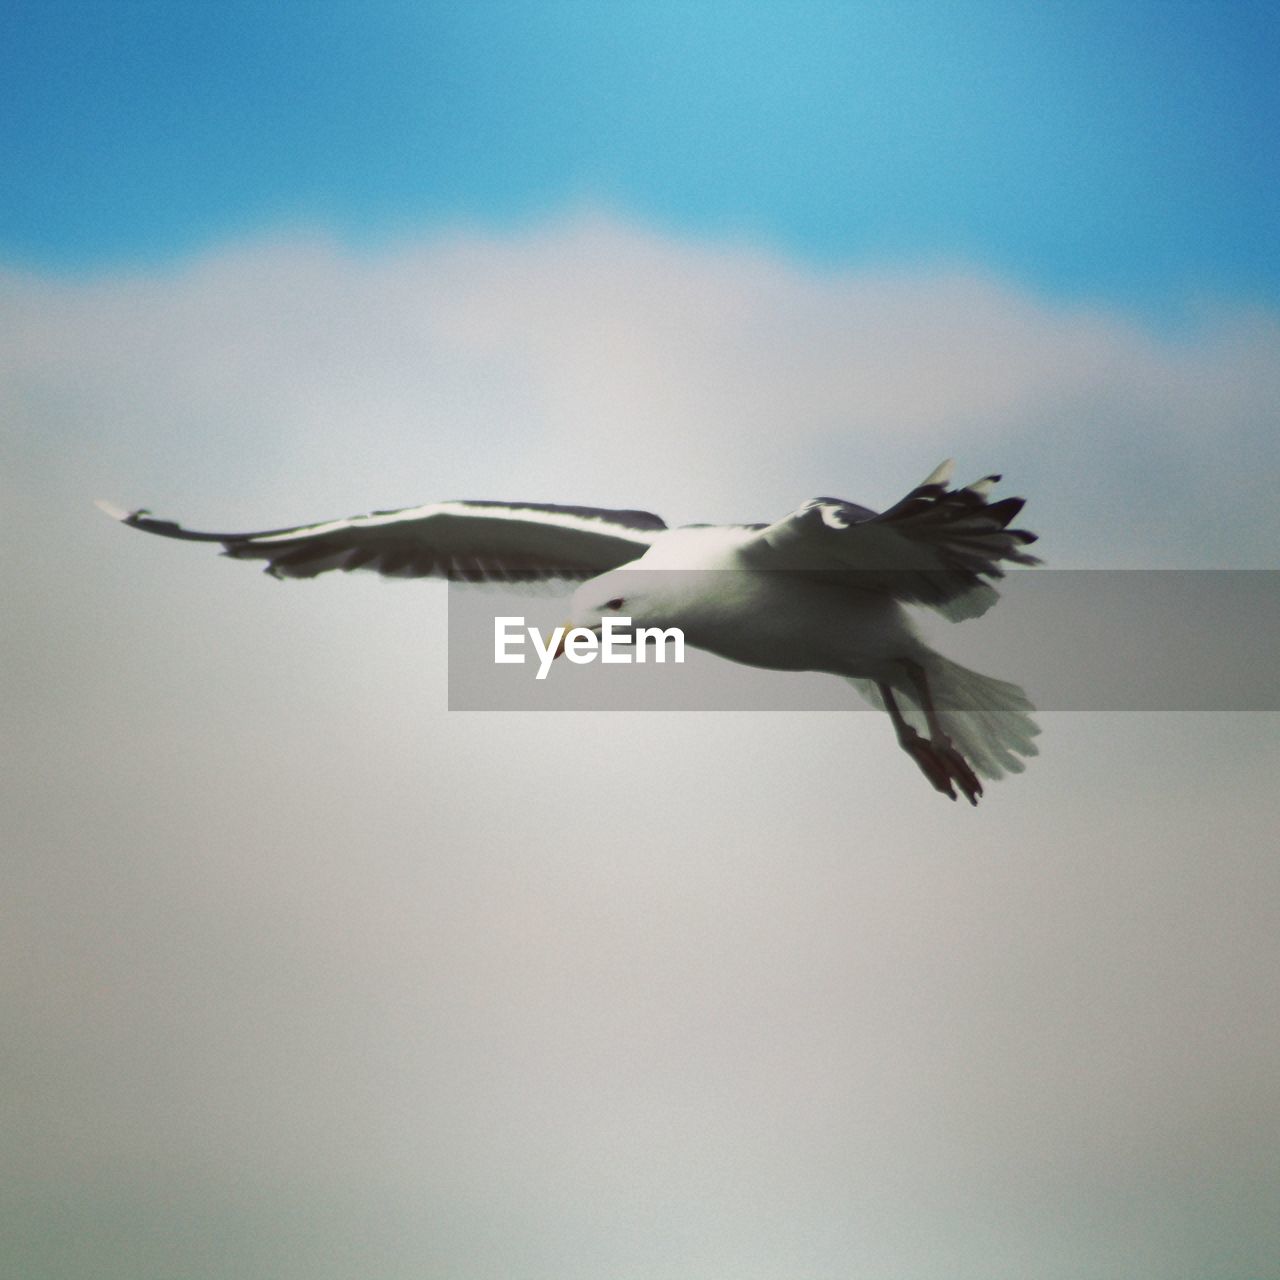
615,603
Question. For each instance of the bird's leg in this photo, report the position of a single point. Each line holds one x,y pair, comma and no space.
956,766
918,748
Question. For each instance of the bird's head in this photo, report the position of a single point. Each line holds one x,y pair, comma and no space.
613,594
620,593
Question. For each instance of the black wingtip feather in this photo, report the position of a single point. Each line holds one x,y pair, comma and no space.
1005,510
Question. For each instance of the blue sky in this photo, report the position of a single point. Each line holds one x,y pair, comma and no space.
1117,152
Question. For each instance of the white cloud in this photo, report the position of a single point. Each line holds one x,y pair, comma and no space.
592,361
316,979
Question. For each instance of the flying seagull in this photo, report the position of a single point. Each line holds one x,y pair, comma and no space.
822,589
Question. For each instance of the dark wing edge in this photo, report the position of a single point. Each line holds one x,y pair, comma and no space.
473,541
938,546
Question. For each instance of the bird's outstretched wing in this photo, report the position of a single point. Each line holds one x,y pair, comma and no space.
938,546
459,541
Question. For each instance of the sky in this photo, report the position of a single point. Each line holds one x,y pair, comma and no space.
306,975
1101,150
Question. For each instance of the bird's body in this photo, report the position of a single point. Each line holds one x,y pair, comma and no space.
823,589
701,579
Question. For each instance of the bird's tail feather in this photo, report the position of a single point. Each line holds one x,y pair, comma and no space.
988,720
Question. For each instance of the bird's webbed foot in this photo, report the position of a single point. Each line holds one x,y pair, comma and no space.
942,764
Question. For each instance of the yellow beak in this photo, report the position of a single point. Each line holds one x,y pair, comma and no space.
565,628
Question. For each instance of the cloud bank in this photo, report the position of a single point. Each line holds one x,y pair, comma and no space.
594,361
310,978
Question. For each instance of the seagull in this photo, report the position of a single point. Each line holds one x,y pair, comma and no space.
828,588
